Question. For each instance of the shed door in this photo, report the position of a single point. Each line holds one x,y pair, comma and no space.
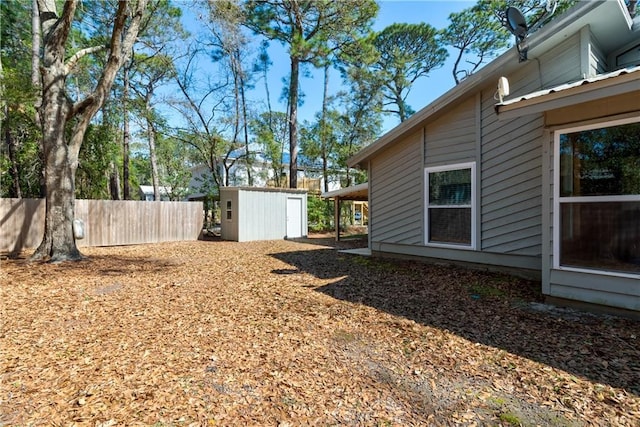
294,217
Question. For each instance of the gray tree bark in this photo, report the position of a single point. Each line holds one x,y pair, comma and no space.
57,109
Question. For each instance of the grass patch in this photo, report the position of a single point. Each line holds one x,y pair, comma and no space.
486,290
510,418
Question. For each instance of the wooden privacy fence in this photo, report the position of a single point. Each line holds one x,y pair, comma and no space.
106,222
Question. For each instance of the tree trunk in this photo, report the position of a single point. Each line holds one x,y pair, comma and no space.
60,155
241,110
35,45
126,190
245,126
153,157
402,111
114,181
60,164
15,190
323,128
293,123
35,80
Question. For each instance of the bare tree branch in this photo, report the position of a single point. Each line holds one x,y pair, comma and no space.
71,62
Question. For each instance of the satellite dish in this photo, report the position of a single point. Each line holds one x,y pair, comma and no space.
517,25
516,22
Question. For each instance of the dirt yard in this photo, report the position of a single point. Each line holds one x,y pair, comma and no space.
283,333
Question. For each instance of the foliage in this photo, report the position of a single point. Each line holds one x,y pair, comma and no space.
406,53
477,34
229,47
313,31
97,152
319,213
20,160
270,130
174,166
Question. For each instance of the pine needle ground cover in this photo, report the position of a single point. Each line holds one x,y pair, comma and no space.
295,333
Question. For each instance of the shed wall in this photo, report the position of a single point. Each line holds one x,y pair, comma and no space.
259,214
262,216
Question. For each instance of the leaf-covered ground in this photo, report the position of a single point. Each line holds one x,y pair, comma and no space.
294,333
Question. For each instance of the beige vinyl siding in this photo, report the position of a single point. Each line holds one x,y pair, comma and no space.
622,292
547,211
562,63
396,193
452,138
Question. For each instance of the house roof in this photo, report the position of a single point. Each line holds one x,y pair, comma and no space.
148,189
355,192
608,29
591,89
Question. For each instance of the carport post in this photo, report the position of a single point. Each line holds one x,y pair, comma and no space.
336,216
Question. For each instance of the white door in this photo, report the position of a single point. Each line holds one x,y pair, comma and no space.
294,217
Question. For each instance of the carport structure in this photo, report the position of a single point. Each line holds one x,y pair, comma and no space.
358,192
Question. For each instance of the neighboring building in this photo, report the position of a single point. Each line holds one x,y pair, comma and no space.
250,213
545,183
146,193
262,175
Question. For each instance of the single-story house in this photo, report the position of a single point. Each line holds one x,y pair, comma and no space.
544,181
146,193
253,213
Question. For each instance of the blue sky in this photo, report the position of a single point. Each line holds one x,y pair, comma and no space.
425,90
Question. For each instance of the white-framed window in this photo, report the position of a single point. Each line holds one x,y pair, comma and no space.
597,198
229,211
450,216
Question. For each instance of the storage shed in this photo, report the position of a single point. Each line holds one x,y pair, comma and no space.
252,213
